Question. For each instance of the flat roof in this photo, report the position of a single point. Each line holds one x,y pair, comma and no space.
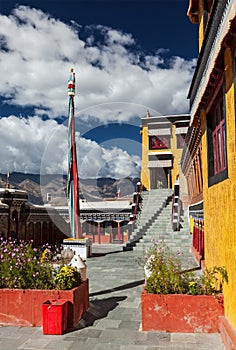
100,205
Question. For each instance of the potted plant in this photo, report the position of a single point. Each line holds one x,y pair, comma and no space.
30,276
177,300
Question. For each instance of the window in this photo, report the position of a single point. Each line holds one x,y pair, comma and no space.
218,138
217,156
159,142
180,140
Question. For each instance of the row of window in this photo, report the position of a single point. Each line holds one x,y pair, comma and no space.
216,132
163,142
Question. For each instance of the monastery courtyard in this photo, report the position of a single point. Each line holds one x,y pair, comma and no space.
114,317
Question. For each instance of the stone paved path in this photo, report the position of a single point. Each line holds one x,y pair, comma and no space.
113,320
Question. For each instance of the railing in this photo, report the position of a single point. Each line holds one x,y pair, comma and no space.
135,207
176,207
198,238
136,200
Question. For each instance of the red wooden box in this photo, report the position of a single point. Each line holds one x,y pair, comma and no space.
55,316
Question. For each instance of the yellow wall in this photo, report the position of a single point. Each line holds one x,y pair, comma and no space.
201,25
177,153
220,205
145,173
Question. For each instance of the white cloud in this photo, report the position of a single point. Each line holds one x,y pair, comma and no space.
22,143
96,161
116,111
39,50
36,146
114,37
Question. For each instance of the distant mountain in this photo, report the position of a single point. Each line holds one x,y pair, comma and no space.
52,188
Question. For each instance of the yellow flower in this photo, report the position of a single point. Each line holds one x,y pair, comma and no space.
192,283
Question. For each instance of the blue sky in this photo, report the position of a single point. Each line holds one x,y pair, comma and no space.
129,56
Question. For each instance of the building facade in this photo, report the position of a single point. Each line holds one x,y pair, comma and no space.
209,158
162,144
103,222
23,221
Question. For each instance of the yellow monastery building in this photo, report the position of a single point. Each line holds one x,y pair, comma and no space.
162,144
209,158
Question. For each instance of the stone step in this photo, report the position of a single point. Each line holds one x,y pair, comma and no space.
170,240
154,218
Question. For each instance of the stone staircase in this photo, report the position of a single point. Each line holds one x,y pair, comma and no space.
153,203
155,223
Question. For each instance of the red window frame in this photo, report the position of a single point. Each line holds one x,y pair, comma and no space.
218,138
156,142
180,140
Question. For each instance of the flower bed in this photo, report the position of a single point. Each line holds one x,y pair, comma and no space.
23,307
31,276
177,300
180,313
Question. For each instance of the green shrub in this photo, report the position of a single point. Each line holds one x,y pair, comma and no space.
165,275
20,266
25,267
67,278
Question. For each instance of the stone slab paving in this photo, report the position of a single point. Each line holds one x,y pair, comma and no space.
114,318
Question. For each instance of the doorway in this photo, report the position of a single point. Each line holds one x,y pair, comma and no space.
160,178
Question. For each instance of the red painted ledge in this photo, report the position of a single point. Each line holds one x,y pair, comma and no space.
23,307
180,313
227,333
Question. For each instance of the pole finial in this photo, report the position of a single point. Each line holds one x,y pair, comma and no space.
71,83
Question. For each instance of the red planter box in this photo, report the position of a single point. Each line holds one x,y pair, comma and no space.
23,307
180,313
228,334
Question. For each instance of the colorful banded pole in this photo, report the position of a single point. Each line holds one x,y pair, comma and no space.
72,180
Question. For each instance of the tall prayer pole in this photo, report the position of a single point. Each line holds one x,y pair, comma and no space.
72,181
